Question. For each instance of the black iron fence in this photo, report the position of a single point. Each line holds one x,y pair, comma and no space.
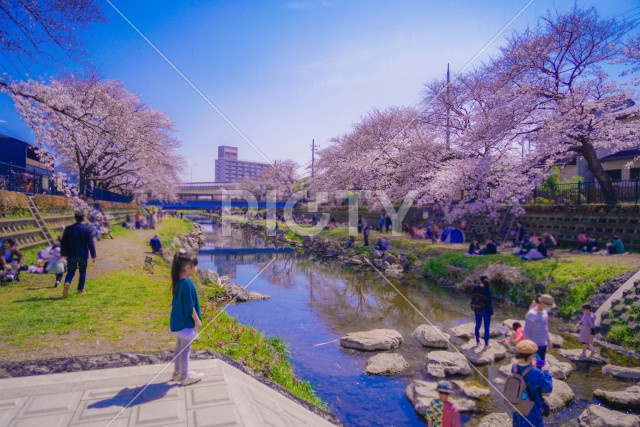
36,181
628,191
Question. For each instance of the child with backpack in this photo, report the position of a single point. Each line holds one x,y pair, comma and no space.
523,389
482,306
441,412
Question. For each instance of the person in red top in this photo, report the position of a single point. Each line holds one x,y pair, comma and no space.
516,336
441,412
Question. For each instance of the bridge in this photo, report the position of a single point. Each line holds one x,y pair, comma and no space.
210,195
242,251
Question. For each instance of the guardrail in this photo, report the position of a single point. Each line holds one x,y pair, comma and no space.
628,191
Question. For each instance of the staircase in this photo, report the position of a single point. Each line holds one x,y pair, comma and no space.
507,224
40,222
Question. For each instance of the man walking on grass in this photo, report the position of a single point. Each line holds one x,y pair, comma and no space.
76,244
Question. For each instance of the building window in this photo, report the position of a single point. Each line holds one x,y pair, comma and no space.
615,174
635,173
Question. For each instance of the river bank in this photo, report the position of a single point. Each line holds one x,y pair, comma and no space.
125,311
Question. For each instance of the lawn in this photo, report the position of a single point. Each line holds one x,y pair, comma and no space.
126,309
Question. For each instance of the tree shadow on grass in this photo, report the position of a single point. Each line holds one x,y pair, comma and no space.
37,299
125,396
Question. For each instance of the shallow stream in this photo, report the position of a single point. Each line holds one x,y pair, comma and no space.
314,302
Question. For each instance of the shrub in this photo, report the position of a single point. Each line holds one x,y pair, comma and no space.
51,202
12,201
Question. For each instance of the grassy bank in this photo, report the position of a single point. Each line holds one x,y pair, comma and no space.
126,309
572,278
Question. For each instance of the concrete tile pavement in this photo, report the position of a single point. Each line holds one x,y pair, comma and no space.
226,396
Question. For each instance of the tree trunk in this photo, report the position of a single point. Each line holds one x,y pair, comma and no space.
595,166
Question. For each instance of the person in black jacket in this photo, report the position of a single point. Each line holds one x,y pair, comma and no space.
482,306
76,244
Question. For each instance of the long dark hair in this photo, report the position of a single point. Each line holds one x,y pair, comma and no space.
180,261
485,281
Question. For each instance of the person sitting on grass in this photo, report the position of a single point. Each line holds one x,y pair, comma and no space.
382,245
474,248
491,248
441,412
616,247
582,240
592,245
11,258
349,242
156,245
540,252
527,245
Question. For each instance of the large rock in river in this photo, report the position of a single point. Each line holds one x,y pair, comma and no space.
496,419
441,364
598,416
628,399
574,356
482,355
467,331
421,393
386,364
622,372
473,390
376,339
559,370
561,396
431,336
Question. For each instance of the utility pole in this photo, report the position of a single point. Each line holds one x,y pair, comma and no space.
314,147
448,101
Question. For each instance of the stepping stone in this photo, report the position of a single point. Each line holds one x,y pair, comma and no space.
622,372
441,364
386,364
496,419
598,416
473,390
481,355
376,339
558,370
467,331
574,356
421,393
431,336
626,400
561,396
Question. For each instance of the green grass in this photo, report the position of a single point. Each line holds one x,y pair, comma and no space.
268,356
128,311
620,334
571,280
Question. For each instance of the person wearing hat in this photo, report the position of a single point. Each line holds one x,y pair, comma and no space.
538,382
536,326
441,412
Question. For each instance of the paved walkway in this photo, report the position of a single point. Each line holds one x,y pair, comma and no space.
224,397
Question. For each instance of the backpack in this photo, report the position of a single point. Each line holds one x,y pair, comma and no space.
516,392
478,301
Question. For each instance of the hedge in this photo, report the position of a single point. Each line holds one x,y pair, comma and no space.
10,201
51,202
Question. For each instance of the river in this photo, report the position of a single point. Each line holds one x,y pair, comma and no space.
314,302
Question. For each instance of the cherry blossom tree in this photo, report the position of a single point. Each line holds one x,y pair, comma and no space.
33,29
102,133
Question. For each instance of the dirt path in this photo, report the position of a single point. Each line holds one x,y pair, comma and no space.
127,250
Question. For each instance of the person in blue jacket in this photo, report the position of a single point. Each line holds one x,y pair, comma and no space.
156,244
482,305
538,381
185,317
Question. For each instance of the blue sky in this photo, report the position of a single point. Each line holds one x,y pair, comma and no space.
286,72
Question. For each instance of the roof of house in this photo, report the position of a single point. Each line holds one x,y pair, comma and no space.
624,154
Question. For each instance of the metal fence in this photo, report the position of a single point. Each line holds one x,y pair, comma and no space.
34,181
628,191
